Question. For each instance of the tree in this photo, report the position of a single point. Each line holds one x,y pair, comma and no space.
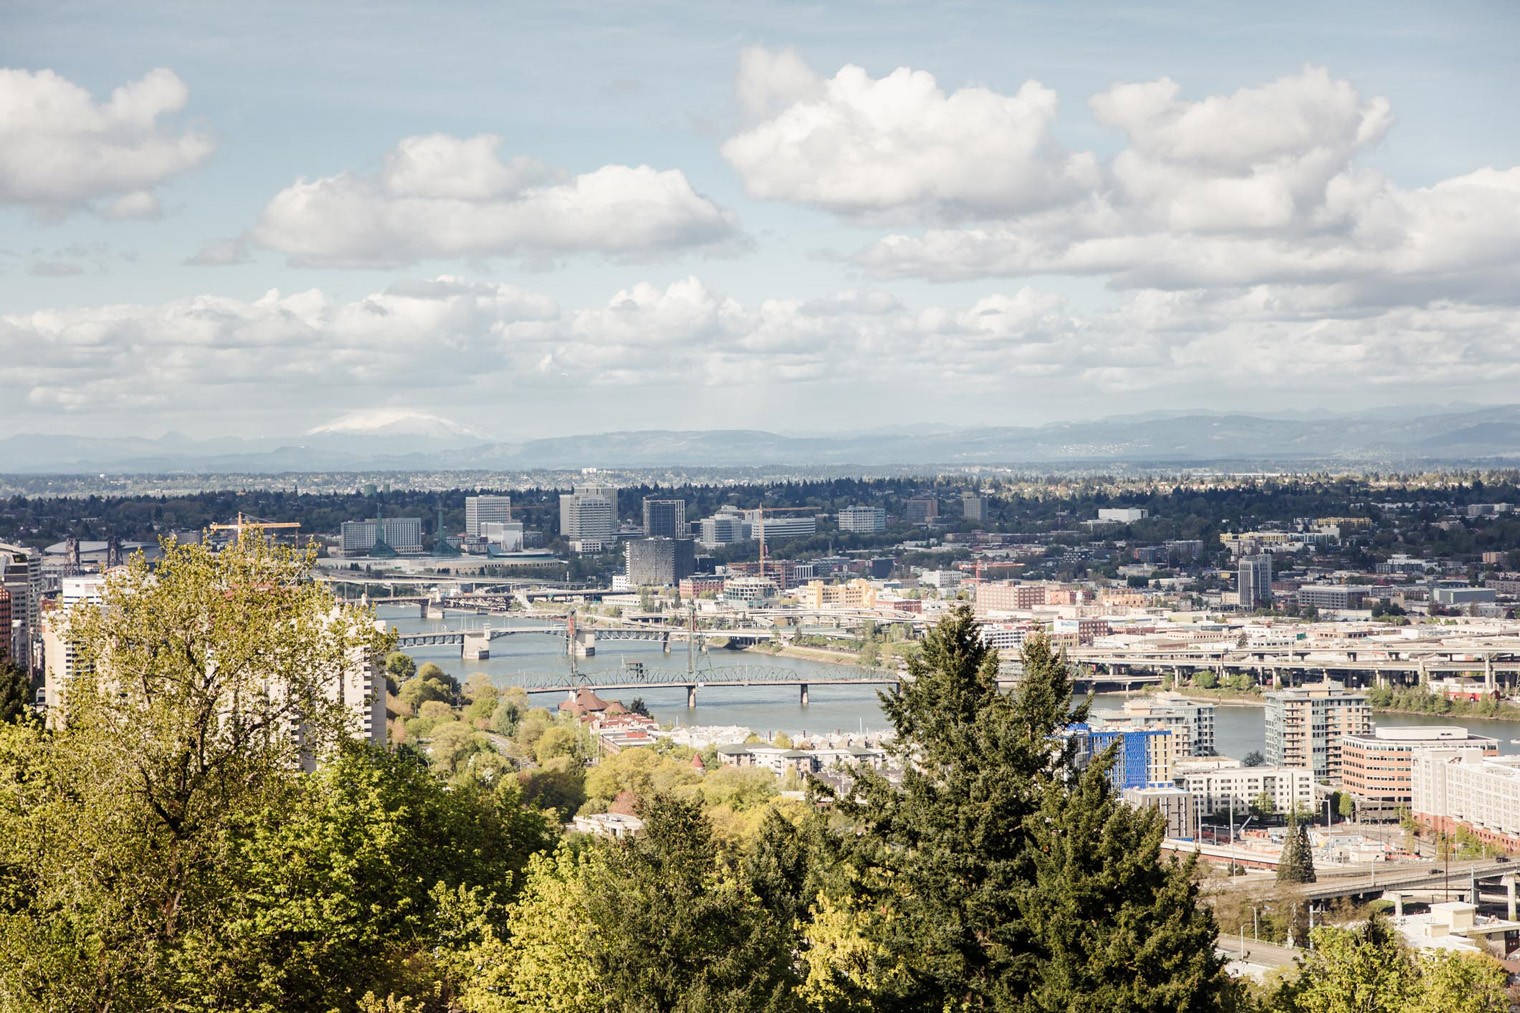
656,923
1453,982
15,692
1253,759
400,666
1296,863
1361,970
1346,805
1011,880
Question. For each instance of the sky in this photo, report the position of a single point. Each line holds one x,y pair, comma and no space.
536,220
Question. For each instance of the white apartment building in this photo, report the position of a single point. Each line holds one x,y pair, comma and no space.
482,510
1213,790
589,514
863,519
1306,727
1190,722
777,528
1463,788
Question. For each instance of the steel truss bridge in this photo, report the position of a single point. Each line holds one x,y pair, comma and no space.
721,677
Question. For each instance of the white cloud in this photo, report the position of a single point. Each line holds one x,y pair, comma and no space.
657,349
62,151
221,253
438,196
1259,187
898,147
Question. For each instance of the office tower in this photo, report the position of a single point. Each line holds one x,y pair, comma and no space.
480,510
21,575
973,507
725,527
863,519
659,562
5,625
399,534
664,518
589,514
921,509
59,662
1307,727
1255,582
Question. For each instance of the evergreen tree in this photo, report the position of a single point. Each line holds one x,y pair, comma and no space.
15,692
1296,864
996,876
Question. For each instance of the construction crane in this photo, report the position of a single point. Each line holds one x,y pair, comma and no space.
760,523
252,525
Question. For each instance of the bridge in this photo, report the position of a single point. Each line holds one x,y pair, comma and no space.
734,676
475,643
1496,660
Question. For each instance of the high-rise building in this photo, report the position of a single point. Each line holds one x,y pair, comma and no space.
1308,726
479,510
1191,722
1255,582
659,562
59,662
725,527
5,625
401,534
973,507
863,519
1143,758
921,510
589,515
664,518
1375,768
21,575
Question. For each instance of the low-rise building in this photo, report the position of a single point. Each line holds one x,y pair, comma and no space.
1175,805
1463,788
1376,767
1215,791
855,594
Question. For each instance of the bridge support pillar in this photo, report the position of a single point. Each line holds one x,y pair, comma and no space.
691,697
422,609
665,643
1509,892
1398,902
804,694
1488,672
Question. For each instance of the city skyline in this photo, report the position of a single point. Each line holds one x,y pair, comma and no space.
761,216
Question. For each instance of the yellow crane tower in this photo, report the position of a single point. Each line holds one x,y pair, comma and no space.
252,525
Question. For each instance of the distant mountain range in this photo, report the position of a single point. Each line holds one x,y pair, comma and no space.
401,441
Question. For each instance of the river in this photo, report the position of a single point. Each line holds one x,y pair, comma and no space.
1238,729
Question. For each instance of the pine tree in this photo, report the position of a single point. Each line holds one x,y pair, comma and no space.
996,875
1296,864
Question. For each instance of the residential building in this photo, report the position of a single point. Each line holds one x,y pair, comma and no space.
1307,726
1175,805
863,519
664,518
1144,756
1122,515
5,625
1375,768
921,510
589,515
941,580
1191,722
857,594
482,510
1464,789
659,562
1008,596
1254,584
60,663
973,507
399,534
1215,791
696,586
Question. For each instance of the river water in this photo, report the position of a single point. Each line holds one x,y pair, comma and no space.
514,660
